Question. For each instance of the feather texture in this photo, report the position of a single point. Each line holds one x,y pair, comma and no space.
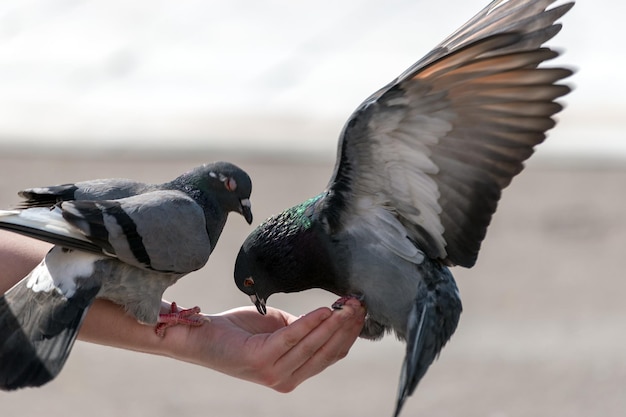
115,239
421,165
442,141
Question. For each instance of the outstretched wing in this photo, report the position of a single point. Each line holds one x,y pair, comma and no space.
438,144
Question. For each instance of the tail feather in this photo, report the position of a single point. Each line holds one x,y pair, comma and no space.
431,323
47,196
38,327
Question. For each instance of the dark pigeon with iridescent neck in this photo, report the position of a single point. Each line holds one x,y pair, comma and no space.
420,168
116,239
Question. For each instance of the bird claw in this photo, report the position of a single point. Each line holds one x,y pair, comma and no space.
338,305
189,317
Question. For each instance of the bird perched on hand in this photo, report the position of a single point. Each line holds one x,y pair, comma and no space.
420,169
116,239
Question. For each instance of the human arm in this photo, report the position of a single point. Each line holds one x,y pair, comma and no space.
277,350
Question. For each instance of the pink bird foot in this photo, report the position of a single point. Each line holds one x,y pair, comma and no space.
338,305
189,317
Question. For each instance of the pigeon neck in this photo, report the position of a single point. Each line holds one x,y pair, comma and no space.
214,216
305,257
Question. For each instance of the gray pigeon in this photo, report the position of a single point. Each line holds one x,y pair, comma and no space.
420,168
116,239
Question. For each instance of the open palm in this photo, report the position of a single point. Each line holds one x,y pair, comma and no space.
278,350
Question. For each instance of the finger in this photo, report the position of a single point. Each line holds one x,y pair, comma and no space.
337,346
325,344
284,340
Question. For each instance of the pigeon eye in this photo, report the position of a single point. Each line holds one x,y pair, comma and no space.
230,184
248,282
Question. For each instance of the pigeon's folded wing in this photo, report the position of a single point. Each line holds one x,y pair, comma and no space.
47,225
101,189
160,230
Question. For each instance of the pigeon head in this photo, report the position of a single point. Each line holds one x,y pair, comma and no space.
288,253
230,184
245,280
261,268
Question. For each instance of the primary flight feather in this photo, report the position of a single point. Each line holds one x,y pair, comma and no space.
117,239
420,168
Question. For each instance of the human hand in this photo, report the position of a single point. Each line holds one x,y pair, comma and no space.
277,350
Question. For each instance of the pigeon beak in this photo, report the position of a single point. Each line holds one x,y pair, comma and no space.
246,210
259,303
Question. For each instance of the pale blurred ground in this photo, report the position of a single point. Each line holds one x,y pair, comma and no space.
543,332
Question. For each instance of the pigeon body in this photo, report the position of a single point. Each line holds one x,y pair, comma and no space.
115,239
420,168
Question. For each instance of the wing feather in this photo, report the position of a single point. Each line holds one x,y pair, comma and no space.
162,230
437,146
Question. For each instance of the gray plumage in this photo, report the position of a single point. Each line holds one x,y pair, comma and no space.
420,168
116,239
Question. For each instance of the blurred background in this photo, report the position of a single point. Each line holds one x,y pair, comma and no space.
148,89
257,75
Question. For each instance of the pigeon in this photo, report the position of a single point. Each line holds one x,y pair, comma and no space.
421,165
116,239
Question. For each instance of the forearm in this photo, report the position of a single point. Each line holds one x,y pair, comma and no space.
106,323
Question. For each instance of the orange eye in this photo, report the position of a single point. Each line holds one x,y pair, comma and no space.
248,282
230,184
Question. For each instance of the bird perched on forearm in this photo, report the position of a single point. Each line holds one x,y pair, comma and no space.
117,239
420,169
